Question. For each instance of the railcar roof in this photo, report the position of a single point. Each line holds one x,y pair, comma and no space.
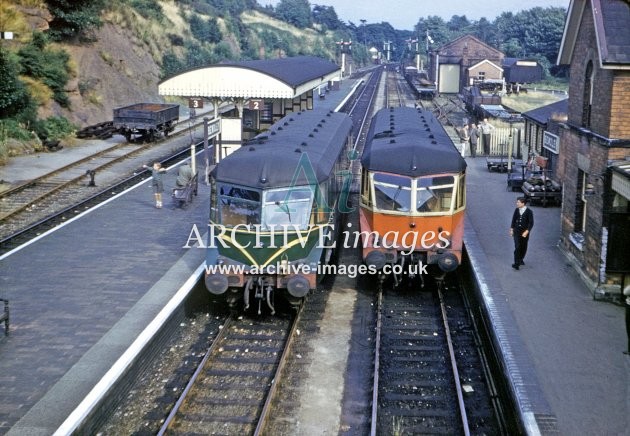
410,142
303,146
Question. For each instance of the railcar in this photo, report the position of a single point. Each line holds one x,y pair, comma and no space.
413,194
275,209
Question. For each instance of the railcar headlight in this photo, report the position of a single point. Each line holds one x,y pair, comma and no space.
216,284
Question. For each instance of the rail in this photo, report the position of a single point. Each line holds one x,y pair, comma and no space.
244,356
451,352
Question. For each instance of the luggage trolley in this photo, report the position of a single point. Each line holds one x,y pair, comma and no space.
183,195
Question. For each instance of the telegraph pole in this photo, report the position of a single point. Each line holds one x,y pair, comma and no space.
363,21
387,47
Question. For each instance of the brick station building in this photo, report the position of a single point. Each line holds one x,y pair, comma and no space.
594,159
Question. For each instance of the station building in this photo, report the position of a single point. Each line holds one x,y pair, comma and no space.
462,61
261,92
542,127
594,158
468,61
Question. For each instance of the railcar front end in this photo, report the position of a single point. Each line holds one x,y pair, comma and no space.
412,222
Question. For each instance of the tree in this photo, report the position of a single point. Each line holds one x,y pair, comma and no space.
458,24
512,48
214,31
231,7
437,29
327,17
171,64
538,30
484,30
14,96
205,30
295,12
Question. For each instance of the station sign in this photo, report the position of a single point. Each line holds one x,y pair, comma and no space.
214,128
256,104
195,103
551,142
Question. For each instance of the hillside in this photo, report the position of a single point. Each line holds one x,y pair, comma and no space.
122,63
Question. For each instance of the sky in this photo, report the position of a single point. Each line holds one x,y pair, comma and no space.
404,14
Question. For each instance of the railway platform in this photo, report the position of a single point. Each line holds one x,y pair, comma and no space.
562,347
83,293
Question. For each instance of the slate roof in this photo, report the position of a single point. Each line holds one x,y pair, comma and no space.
293,71
542,114
456,41
270,78
410,142
614,28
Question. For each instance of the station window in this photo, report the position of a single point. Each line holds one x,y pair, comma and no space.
580,203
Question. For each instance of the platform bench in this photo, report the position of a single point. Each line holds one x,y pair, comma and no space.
4,316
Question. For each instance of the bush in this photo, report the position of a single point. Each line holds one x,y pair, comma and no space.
205,30
149,9
14,96
11,128
171,65
72,18
49,66
53,128
15,139
176,40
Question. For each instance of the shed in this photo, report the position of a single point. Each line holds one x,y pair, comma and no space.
517,70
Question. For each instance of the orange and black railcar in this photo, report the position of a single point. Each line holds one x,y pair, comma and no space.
413,194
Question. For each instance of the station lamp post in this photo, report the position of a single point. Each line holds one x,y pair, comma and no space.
345,47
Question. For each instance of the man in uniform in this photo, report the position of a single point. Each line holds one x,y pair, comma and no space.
522,223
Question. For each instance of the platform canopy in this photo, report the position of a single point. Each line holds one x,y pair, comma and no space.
273,78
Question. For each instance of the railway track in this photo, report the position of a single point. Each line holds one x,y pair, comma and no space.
41,203
232,389
431,375
419,386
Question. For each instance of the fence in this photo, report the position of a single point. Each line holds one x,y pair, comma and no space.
500,139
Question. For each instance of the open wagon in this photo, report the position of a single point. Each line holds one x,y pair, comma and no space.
148,120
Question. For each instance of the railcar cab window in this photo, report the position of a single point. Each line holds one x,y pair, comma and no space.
287,207
434,194
238,205
392,192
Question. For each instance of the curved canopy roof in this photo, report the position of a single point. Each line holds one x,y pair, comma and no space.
410,142
300,149
273,78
